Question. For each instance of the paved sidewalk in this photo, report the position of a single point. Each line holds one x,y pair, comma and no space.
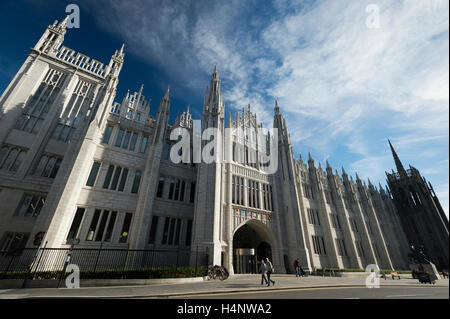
235,284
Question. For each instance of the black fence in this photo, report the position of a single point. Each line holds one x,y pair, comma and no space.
103,263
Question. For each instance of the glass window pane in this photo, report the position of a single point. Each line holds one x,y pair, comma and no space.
136,182
73,232
18,161
107,135
10,158
93,174
116,178
133,142
119,138
91,231
108,176
109,230
123,179
144,144
48,167
126,140
101,227
125,228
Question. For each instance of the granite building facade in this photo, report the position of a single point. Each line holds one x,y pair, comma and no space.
75,163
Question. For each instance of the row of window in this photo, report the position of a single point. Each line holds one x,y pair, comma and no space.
48,166
30,205
335,222
115,179
307,191
172,231
38,105
102,225
125,139
12,241
11,157
313,216
254,192
177,189
318,245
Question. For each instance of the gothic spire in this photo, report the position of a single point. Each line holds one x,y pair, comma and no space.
398,163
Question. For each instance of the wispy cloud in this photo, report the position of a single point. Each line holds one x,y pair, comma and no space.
343,87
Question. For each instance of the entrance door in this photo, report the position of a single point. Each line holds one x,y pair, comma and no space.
250,246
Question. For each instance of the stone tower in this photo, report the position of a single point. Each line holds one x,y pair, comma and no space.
422,217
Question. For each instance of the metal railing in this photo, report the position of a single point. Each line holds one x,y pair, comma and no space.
97,260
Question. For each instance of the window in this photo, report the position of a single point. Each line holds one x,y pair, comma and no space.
12,158
136,182
119,138
123,180
39,104
171,188
73,232
48,166
12,241
126,141
192,194
115,180
107,134
340,245
354,225
30,206
108,176
188,232
101,227
159,192
133,141
116,174
93,174
166,231
319,245
143,144
335,221
172,230
110,228
75,111
313,215
238,190
152,237
177,232
93,226
125,228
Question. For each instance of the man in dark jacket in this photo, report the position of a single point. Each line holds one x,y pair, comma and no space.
269,272
263,271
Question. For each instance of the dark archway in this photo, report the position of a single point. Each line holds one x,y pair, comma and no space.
250,245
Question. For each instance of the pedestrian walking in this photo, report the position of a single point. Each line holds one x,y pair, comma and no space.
263,271
270,270
297,267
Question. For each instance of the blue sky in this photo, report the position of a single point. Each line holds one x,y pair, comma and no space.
344,88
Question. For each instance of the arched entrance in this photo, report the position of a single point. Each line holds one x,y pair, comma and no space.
251,243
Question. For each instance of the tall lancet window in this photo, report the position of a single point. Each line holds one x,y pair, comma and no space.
75,111
39,104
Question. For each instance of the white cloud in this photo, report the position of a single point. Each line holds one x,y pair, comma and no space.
343,88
